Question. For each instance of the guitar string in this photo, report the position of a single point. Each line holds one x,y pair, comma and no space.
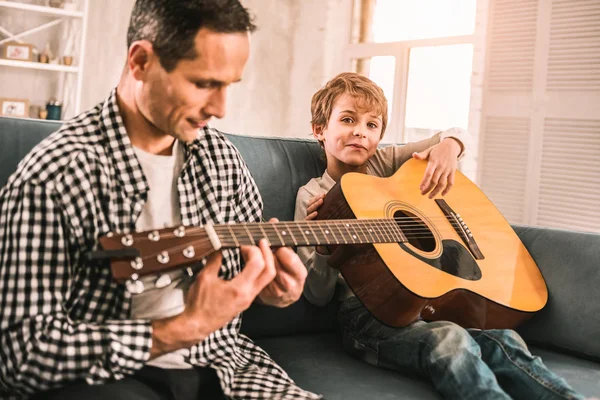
271,238
360,223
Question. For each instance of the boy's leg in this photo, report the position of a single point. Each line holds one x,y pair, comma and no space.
443,352
521,374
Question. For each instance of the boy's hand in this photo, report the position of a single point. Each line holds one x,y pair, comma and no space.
443,160
313,205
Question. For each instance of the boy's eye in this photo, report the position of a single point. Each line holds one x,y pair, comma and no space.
347,119
372,125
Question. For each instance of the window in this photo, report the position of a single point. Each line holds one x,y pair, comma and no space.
421,54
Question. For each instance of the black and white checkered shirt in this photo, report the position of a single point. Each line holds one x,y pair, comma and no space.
62,320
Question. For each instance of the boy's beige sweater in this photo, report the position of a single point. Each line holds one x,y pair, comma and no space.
322,279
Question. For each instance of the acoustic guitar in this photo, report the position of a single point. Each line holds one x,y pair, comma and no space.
405,256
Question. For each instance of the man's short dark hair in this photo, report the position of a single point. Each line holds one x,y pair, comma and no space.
171,25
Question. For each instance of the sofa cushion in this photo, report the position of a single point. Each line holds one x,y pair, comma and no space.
17,137
279,167
570,264
319,363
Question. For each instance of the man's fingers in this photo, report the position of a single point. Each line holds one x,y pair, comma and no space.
213,264
269,272
255,264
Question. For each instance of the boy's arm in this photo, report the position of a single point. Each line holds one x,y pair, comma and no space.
321,280
390,158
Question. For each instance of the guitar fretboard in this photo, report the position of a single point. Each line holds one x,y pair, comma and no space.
311,233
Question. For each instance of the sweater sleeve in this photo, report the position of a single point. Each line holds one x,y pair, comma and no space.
321,278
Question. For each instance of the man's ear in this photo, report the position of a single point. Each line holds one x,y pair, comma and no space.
138,59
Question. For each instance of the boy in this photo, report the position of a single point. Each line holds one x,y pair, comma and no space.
349,117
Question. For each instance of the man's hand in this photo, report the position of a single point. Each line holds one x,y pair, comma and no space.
212,302
291,273
443,160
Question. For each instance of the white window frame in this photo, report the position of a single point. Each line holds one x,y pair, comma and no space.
401,52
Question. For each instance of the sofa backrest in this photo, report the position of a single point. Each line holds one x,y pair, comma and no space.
17,137
279,166
568,260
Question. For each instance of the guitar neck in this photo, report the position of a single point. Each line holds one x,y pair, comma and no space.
311,233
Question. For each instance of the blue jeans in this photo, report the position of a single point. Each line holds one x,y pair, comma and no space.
461,363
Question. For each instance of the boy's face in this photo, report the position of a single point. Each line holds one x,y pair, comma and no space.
352,134
181,101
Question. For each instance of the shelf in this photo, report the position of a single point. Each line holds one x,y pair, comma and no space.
42,9
37,65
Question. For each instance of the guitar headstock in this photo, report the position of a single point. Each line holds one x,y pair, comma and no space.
135,255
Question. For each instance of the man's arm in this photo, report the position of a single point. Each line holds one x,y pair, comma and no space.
42,346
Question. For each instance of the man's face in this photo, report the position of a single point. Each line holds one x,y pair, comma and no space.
183,100
352,134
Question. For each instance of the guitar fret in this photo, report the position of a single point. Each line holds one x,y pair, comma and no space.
313,233
233,236
356,236
264,233
274,227
324,235
382,236
341,233
331,232
306,241
370,232
388,233
347,228
400,237
252,241
291,234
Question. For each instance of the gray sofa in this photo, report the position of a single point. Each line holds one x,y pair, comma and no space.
304,339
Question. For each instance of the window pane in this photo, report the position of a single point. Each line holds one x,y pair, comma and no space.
381,71
396,20
439,89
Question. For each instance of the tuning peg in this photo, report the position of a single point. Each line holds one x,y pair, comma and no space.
137,264
179,232
163,257
154,236
189,252
134,286
127,240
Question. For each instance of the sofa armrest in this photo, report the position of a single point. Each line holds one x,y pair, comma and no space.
570,264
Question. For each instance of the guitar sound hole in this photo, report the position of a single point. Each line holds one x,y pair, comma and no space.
415,230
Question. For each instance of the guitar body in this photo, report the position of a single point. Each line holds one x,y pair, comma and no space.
471,269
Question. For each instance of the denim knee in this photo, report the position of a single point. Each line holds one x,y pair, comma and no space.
507,337
447,339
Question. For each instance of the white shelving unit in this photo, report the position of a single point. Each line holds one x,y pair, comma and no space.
70,77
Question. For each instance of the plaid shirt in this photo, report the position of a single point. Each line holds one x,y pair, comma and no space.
62,320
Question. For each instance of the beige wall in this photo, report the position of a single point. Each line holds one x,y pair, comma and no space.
106,48
297,47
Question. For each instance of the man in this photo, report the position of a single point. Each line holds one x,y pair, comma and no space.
142,159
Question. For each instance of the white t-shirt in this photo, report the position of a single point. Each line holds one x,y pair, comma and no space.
162,210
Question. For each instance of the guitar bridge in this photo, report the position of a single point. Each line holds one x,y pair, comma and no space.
461,228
